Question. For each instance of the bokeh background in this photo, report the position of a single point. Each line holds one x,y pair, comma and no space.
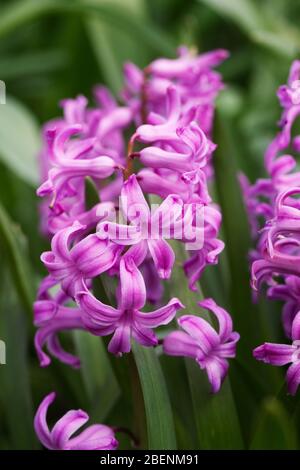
53,49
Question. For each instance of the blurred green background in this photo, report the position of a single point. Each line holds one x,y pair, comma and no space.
53,49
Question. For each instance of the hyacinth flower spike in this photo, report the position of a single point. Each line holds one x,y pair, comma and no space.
202,342
282,354
127,320
94,437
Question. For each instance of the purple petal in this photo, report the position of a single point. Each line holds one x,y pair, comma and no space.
93,256
120,342
134,204
293,377
155,157
296,328
153,183
275,354
40,421
289,311
56,350
181,344
225,322
95,437
201,331
66,426
216,371
116,119
166,131
163,257
137,252
166,216
187,64
61,241
95,314
144,336
44,310
58,269
65,319
228,349
119,233
153,283
161,316
193,269
133,289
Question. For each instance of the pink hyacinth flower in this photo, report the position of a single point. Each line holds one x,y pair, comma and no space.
202,342
94,437
71,265
282,354
127,320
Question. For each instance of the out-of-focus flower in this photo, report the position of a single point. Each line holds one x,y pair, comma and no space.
94,437
273,205
192,75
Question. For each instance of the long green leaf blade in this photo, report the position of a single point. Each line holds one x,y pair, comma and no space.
161,434
12,240
15,393
100,382
19,140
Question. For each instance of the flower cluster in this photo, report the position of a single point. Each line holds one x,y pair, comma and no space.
170,104
275,259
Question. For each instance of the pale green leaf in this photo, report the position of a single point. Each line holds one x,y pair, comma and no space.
19,140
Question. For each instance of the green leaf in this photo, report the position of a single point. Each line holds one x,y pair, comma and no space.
274,430
284,43
178,387
160,425
23,12
19,140
243,12
234,224
113,46
15,393
215,415
261,24
12,240
32,63
98,377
